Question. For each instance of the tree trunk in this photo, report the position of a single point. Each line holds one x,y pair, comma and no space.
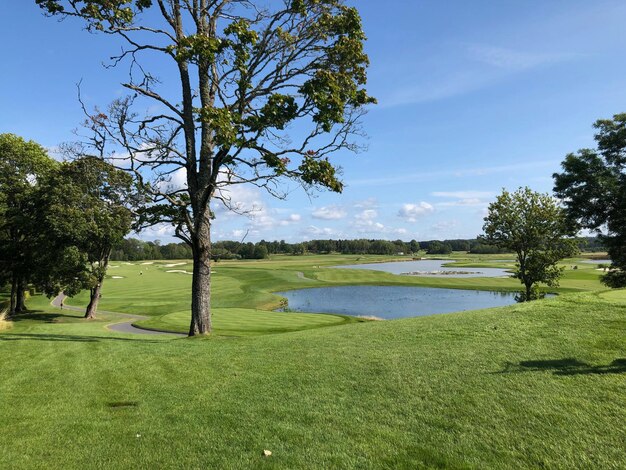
94,298
13,301
90,313
529,289
201,283
20,297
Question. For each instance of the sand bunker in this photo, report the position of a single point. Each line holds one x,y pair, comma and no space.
117,277
148,262
182,271
172,265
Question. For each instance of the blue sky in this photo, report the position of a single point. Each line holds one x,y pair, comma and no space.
473,97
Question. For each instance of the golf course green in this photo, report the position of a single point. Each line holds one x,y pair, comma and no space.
539,384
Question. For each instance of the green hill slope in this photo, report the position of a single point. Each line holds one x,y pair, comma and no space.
537,385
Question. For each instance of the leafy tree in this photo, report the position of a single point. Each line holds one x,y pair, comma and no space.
247,73
593,188
438,248
535,227
414,246
89,211
23,167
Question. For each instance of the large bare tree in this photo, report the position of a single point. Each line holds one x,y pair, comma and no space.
264,90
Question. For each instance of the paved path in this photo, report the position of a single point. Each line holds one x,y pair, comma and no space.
120,327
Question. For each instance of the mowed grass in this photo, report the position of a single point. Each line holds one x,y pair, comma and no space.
242,321
528,386
243,291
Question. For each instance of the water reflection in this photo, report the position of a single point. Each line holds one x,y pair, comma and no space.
429,268
389,302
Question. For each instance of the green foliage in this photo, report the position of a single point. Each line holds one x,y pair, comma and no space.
593,188
198,47
88,212
322,172
316,47
246,72
438,248
223,123
534,227
100,14
24,166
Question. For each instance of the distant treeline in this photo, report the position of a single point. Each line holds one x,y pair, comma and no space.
133,249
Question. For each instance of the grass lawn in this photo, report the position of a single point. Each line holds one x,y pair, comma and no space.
526,386
160,290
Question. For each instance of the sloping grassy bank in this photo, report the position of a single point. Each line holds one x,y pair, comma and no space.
527,386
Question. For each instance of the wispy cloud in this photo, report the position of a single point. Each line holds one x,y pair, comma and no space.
463,198
463,194
471,67
453,173
313,231
514,60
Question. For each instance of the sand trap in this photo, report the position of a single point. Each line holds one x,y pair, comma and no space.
129,264
172,265
182,271
117,277
148,262
110,267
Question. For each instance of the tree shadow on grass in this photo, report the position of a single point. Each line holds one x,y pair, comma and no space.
68,338
567,366
37,315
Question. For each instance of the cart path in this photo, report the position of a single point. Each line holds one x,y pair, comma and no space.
120,327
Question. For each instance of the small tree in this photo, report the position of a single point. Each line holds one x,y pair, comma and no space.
533,226
263,90
89,211
593,188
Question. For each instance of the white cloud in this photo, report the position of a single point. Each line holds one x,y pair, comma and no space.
367,214
157,232
411,212
291,219
314,231
174,182
329,213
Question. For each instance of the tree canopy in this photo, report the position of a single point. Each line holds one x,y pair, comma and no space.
535,227
89,211
593,188
23,167
264,91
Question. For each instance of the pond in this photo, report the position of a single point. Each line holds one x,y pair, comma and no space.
429,268
389,302
597,261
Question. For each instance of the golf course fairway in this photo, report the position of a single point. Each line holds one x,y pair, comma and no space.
526,386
